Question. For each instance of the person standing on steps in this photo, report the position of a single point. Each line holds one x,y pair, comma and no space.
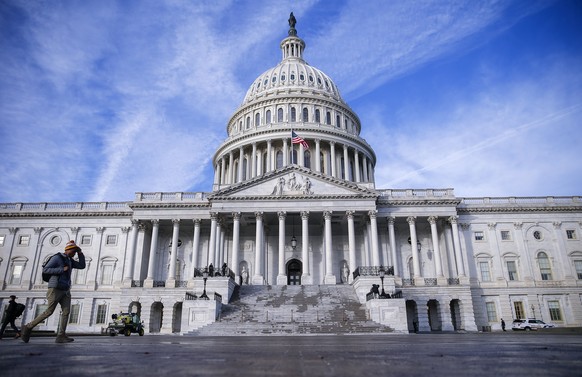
59,290
10,317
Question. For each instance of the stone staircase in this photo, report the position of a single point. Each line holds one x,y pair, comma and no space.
292,310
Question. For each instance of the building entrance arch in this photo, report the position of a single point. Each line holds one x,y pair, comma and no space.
294,268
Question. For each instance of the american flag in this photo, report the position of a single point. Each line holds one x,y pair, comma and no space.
296,139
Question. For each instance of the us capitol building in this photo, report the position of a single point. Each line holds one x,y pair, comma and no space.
294,203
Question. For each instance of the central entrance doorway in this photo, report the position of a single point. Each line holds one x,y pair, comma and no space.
294,267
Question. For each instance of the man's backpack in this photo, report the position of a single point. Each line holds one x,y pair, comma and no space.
47,277
19,310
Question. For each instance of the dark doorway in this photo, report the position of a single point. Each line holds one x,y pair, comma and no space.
294,267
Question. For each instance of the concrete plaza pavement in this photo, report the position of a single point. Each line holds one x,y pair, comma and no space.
435,354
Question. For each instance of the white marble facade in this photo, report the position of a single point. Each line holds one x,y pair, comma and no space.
280,213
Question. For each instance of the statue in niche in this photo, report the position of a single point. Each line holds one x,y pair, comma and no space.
345,273
244,275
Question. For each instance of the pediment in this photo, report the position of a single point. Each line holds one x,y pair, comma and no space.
292,182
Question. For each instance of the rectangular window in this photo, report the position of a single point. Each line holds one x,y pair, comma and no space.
578,265
505,235
111,240
519,312
2,237
23,240
101,314
571,234
107,275
79,276
39,310
484,268
479,236
512,270
86,240
74,314
555,311
491,312
16,277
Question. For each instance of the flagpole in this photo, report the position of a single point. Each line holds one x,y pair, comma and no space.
292,148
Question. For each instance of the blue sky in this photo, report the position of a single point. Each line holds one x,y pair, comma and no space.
101,99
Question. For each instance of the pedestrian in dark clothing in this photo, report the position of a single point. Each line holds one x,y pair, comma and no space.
502,324
59,290
10,317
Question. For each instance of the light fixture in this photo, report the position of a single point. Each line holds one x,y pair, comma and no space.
293,239
418,246
205,277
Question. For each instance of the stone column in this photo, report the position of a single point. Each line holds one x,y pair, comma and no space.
301,156
435,244
241,160
415,257
333,167
306,277
257,276
230,179
195,246
329,276
285,153
149,282
281,274
254,162
346,163
457,245
365,168
132,250
222,171
174,252
317,158
351,244
212,241
445,314
374,236
235,243
357,165
392,236
269,166
371,172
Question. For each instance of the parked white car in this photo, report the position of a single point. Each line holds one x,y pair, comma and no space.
530,324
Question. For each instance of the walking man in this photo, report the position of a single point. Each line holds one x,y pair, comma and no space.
502,324
10,317
59,266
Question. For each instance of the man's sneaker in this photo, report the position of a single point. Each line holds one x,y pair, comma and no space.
63,339
25,333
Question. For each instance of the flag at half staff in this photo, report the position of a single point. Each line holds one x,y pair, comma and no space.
296,139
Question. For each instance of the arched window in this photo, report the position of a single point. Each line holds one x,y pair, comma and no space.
328,117
265,166
317,116
305,114
240,127
279,115
338,122
248,123
257,119
307,159
279,159
293,156
545,267
236,171
293,115
268,117
244,170
322,163
343,170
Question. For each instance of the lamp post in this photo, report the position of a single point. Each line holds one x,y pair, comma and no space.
382,273
205,277
293,239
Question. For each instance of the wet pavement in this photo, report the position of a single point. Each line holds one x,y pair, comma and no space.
435,354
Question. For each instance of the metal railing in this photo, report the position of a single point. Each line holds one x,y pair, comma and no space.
408,282
373,271
375,295
430,282
453,281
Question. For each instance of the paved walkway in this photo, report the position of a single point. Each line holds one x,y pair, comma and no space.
476,354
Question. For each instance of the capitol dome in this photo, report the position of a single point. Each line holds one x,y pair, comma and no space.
291,74
293,98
